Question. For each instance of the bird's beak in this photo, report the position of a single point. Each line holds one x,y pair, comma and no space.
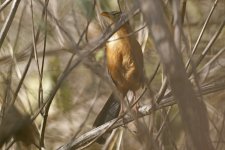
106,14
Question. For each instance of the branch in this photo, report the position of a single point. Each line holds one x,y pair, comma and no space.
8,21
93,134
192,109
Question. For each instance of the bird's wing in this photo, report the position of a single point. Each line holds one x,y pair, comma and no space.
116,69
136,50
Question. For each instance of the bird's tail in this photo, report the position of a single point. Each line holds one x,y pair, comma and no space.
110,111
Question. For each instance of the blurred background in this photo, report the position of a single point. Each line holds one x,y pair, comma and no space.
51,41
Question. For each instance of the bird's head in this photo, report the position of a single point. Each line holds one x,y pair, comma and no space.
112,16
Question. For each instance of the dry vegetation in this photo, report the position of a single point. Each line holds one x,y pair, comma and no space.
53,74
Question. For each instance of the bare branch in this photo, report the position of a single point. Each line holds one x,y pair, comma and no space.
92,135
8,21
193,111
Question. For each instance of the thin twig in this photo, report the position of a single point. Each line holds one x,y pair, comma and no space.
205,70
40,91
4,4
163,124
34,42
211,42
8,21
202,31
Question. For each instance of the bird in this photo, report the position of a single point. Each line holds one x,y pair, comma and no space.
124,59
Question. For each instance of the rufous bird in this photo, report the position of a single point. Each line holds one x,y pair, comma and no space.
124,58
125,66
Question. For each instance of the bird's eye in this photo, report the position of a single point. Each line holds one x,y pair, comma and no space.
116,13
